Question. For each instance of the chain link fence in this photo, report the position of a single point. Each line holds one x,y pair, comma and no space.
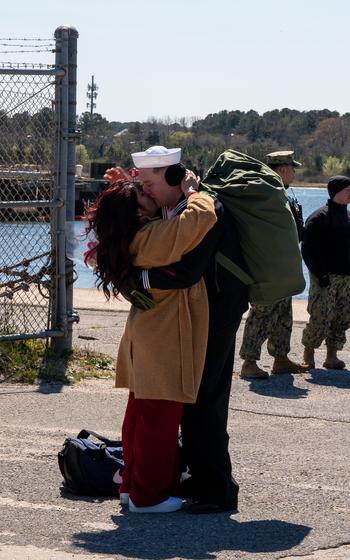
33,182
28,137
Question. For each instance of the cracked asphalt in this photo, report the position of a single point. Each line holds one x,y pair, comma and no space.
290,449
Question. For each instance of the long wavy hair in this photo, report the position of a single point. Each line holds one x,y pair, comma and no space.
113,218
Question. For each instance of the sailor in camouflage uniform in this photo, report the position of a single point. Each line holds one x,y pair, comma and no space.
274,322
326,252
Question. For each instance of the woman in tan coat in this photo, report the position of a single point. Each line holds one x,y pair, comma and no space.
162,351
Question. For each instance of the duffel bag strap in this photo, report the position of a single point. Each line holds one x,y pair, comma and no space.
84,434
234,269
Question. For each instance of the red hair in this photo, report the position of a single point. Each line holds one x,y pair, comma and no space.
113,218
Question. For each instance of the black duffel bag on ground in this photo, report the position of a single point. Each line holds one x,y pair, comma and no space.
91,469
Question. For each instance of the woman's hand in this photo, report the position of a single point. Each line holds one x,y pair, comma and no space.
189,183
116,174
90,256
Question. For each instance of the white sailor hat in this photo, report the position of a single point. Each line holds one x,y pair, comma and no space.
156,156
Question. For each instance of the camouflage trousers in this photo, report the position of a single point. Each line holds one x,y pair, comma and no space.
329,310
273,323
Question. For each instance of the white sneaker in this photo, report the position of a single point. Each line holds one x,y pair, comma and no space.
171,504
124,498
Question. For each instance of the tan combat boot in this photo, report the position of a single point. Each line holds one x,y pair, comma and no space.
283,364
309,357
332,361
251,370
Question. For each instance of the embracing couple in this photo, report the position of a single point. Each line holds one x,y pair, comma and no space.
176,355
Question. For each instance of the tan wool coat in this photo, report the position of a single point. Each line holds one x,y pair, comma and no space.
162,351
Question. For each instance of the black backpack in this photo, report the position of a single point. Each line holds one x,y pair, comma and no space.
297,212
90,468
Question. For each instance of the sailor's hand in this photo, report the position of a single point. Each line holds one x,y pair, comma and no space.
189,183
116,174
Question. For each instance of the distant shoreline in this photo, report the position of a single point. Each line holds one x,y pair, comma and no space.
307,185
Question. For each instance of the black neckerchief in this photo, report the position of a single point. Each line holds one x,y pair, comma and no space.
180,206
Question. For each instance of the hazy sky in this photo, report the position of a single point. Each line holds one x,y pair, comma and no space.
185,58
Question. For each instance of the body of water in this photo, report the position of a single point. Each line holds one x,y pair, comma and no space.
309,198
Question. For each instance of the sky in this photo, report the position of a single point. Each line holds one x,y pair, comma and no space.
190,58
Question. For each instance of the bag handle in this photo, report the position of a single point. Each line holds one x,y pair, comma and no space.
84,434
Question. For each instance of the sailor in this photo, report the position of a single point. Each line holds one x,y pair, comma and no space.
204,424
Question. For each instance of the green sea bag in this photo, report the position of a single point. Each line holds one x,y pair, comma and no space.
256,198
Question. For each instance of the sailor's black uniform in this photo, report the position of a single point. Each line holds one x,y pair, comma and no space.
204,424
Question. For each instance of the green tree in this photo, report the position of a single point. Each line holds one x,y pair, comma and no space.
330,136
153,138
333,166
82,156
314,135
252,125
312,166
180,139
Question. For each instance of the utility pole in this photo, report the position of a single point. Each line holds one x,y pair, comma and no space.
91,94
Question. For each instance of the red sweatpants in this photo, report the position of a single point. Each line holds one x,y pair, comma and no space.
151,452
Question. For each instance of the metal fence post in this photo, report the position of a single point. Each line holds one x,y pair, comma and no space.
66,57
71,160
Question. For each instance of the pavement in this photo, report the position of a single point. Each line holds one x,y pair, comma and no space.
290,450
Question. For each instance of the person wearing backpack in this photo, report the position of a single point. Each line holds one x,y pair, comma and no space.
211,487
273,322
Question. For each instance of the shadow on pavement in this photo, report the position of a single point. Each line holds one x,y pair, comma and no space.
42,387
54,371
46,388
14,392
279,386
339,378
157,537
66,495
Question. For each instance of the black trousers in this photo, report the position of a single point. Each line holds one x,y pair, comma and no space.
204,424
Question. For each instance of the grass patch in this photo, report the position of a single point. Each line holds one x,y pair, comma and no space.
28,361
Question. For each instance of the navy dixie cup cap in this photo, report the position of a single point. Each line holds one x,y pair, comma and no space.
156,156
